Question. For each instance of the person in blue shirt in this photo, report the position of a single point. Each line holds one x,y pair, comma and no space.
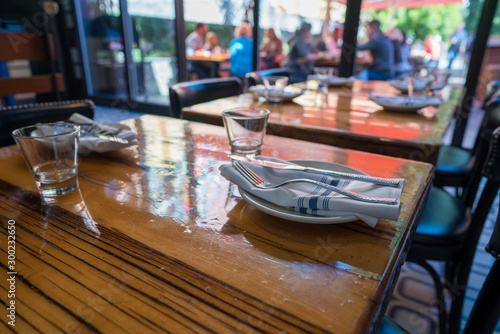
382,50
241,51
301,50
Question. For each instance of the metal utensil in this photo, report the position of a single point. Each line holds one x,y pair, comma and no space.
257,181
108,137
359,177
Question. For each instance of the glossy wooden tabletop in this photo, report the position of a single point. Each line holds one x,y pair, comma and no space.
346,117
154,241
212,57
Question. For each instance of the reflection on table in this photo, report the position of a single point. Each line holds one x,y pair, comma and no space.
346,117
173,250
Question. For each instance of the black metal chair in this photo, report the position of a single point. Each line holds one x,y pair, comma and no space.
185,94
492,91
486,310
15,117
456,165
254,78
449,230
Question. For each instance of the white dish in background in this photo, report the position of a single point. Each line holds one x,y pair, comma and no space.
418,85
334,81
282,212
405,103
290,92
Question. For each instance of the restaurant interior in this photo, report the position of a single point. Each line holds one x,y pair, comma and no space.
242,166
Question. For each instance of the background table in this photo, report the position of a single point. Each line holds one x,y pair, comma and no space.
153,242
212,60
346,117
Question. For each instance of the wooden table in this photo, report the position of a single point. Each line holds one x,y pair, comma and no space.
213,60
348,118
152,242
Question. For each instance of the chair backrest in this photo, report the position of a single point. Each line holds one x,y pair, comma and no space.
24,115
34,47
254,78
185,94
490,122
492,90
486,310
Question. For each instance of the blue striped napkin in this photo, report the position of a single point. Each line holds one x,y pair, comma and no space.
315,200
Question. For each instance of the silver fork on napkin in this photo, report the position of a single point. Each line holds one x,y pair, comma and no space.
351,176
94,130
257,181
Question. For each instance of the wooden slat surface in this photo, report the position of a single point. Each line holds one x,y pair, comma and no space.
348,118
38,84
153,241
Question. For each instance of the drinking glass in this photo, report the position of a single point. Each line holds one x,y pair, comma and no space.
245,129
50,151
275,88
323,74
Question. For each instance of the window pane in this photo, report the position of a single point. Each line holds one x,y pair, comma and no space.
221,18
153,48
105,48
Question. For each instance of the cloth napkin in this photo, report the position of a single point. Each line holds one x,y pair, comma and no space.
89,143
318,201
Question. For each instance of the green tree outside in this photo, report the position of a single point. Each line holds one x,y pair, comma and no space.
421,22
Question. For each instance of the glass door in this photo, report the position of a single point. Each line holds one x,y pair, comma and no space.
129,50
103,49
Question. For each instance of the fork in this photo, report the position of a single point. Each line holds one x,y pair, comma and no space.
257,181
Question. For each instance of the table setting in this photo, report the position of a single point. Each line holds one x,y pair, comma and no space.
102,137
314,196
299,191
288,93
405,103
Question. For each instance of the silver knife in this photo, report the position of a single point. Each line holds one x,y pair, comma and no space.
360,177
105,137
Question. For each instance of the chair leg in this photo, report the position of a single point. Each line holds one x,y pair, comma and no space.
438,285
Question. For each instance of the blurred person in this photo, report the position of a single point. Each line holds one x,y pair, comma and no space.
458,43
333,41
212,43
432,48
241,50
401,51
406,65
271,50
301,50
194,42
382,51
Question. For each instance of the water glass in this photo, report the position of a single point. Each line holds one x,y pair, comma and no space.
50,151
323,75
275,88
245,129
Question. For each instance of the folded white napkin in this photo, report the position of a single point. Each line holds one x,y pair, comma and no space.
318,201
89,143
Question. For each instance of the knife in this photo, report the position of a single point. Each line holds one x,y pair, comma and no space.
112,138
279,165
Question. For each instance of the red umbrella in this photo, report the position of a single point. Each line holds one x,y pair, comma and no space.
383,4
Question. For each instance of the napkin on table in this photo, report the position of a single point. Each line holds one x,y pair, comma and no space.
89,143
318,201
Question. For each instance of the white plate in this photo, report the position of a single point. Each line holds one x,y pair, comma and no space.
334,81
290,92
418,85
404,103
281,212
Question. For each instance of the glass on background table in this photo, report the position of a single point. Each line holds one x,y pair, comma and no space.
154,242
